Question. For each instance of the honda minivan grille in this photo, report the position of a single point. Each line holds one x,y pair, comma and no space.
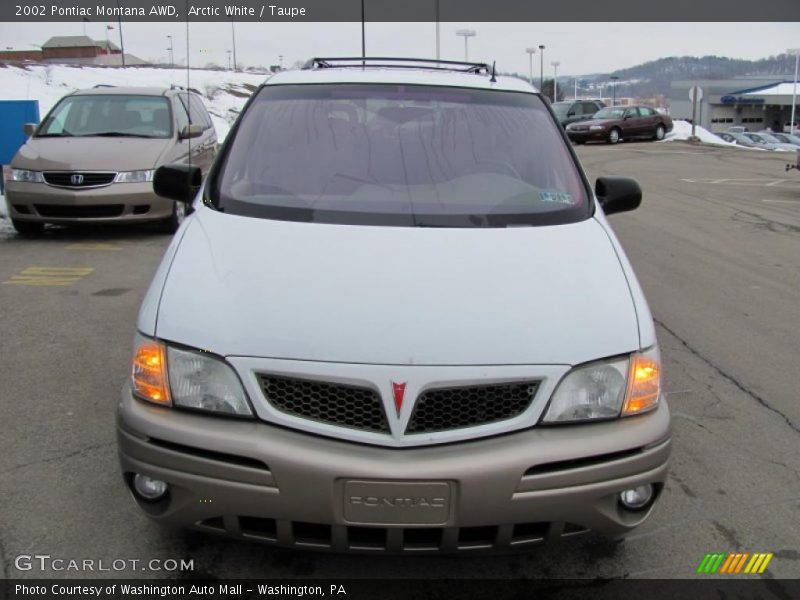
333,403
78,179
453,408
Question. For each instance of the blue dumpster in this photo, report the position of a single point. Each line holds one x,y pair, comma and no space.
13,115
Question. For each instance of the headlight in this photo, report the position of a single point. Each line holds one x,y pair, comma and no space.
191,379
597,127
27,176
607,389
135,176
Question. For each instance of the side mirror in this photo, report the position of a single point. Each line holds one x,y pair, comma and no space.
177,182
571,113
190,131
29,128
617,194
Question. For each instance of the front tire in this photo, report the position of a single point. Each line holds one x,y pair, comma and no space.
613,136
28,229
660,132
170,224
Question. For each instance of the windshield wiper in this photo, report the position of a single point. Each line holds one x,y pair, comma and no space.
61,134
116,134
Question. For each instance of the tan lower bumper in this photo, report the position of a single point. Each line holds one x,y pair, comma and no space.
39,202
251,479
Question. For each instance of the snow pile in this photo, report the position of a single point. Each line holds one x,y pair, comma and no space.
223,92
682,130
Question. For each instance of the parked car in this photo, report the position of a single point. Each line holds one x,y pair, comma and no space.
767,141
739,139
737,129
789,128
422,322
573,111
614,123
785,138
92,158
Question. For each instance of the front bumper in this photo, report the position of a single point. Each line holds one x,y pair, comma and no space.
253,480
117,202
587,136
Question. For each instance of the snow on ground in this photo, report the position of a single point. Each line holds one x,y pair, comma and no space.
224,92
682,130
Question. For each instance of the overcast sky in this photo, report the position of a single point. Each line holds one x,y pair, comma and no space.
581,48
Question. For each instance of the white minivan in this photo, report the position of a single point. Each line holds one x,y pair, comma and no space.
397,320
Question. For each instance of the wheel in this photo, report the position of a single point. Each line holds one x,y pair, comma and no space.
613,136
28,228
660,132
170,224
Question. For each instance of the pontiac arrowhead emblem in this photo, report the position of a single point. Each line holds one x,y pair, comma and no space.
399,392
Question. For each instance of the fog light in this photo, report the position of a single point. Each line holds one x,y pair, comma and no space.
149,488
637,498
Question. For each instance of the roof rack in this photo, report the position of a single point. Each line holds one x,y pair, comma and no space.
175,86
102,85
384,62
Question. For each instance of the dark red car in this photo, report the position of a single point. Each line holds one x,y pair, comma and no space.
614,123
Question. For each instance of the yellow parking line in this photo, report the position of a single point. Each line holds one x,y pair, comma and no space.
43,276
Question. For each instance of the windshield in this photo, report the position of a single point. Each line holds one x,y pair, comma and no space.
402,155
561,108
109,115
610,112
769,138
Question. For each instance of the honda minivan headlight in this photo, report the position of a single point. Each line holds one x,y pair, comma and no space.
135,176
608,389
186,378
26,176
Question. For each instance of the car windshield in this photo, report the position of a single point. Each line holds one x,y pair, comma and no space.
610,112
109,115
403,155
561,108
769,138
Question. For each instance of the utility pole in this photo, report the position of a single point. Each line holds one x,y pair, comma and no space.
796,52
121,41
233,41
531,52
555,64
171,52
541,67
438,32
614,79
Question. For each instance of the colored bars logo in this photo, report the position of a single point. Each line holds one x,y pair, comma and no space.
735,562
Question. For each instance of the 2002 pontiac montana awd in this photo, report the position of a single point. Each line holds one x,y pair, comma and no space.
396,320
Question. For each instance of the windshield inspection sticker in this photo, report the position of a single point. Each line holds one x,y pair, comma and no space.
557,197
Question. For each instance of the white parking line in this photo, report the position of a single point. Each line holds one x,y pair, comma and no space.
758,182
781,201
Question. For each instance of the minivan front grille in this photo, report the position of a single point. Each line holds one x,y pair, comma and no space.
445,409
332,403
78,179
88,211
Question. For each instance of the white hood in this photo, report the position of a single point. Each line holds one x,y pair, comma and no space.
243,286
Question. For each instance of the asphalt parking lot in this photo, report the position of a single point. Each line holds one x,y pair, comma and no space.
716,245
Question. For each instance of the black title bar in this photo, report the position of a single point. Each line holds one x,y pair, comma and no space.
400,10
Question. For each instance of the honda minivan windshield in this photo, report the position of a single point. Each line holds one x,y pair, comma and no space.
409,155
113,115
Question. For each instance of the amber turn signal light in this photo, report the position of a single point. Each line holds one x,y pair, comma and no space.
644,385
150,372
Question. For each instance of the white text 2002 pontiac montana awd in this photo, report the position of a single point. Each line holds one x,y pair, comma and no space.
396,320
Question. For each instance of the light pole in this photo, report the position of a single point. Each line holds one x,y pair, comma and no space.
614,79
438,45
531,52
233,42
555,64
171,52
796,52
229,59
541,67
466,34
121,41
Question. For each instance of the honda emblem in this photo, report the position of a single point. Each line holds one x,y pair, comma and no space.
76,179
